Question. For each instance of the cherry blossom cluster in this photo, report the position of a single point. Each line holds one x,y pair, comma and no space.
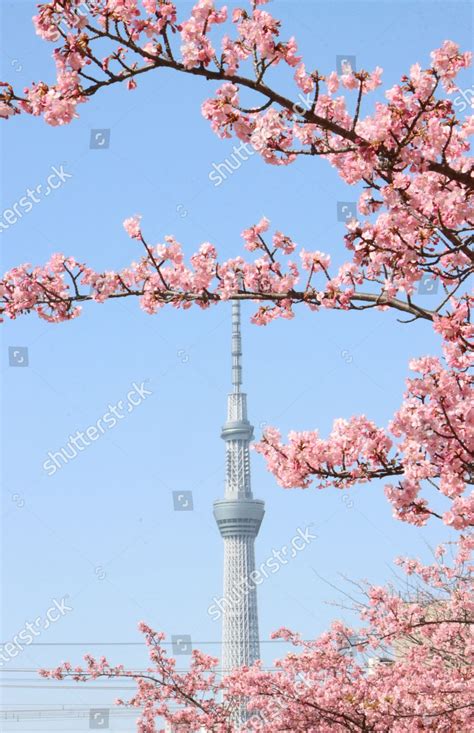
429,443
411,153
161,276
406,667
414,224
161,686
144,35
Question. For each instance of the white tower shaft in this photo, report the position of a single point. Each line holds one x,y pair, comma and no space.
238,516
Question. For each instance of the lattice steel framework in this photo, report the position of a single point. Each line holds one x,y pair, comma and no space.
238,516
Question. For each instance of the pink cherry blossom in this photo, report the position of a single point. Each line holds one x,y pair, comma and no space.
405,666
412,233
6,111
303,80
430,439
410,151
132,226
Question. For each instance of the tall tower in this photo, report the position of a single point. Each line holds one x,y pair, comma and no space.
238,516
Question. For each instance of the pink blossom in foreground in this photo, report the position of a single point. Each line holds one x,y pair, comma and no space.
423,680
430,439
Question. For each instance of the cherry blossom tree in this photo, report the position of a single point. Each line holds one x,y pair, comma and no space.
422,678
410,157
414,225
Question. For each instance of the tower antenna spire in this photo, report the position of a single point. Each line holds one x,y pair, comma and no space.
236,347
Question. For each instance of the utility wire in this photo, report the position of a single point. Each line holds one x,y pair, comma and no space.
139,643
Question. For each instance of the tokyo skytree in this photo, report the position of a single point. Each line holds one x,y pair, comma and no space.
239,517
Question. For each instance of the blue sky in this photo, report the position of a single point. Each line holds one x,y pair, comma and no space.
103,530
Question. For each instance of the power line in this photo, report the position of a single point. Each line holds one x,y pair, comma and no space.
35,672
136,643
43,682
66,687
